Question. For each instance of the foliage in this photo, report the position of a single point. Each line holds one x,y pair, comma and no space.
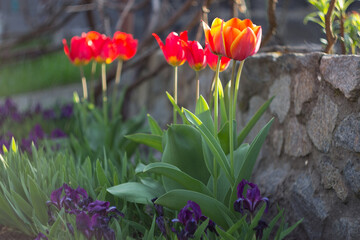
342,24
191,153
93,136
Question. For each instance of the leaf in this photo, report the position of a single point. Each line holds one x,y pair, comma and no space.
210,207
251,156
177,108
154,126
177,175
203,112
151,140
271,225
212,143
183,149
290,229
134,192
254,222
101,176
252,122
38,201
237,225
224,235
201,229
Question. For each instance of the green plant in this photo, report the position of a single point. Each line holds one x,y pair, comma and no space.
337,23
92,135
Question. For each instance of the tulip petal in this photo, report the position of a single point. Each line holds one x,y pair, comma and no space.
230,35
258,40
239,24
161,44
244,45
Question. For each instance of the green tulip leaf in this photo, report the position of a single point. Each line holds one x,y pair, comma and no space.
154,126
151,140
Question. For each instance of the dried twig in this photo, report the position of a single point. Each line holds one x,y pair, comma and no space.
331,38
124,14
272,22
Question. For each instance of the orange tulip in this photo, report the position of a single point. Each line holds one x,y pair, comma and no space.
174,48
241,38
236,39
125,44
79,53
212,60
195,55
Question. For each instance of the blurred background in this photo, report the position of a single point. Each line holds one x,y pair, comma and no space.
31,33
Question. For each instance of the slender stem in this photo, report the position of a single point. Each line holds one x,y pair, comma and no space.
216,116
231,106
197,86
93,70
116,87
83,81
104,88
175,93
216,98
237,87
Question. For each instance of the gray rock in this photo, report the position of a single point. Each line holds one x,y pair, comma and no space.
297,143
331,178
347,134
343,73
269,179
345,228
352,176
306,205
322,123
254,105
304,87
278,141
281,104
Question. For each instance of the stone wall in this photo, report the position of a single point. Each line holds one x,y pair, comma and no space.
310,163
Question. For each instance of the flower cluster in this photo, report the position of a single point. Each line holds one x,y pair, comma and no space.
100,48
190,217
10,115
92,217
178,49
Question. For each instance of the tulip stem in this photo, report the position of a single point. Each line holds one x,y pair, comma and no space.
104,89
237,87
93,70
116,86
84,85
175,93
216,116
231,107
197,86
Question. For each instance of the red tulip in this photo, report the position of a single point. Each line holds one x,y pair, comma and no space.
125,44
79,53
212,60
195,55
174,47
107,52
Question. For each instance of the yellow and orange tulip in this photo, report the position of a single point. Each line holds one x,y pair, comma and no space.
236,39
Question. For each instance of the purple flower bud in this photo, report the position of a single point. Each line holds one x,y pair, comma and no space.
41,236
57,133
259,229
252,199
67,111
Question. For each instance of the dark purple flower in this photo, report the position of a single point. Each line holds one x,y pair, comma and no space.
57,133
49,114
252,200
67,111
159,209
259,229
99,207
37,132
56,199
41,236
190,217
84,223
26,143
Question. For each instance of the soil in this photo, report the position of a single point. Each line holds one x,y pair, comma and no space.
7,233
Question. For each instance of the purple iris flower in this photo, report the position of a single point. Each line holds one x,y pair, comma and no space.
92,217
259,229
49,114
67,111
191,217
57,133
252,199
37,132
